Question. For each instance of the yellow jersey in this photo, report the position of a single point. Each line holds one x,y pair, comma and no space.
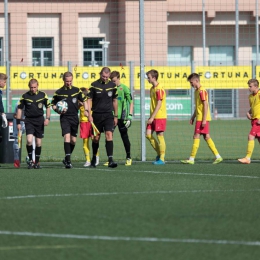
158,93
201,95
82,117
254,101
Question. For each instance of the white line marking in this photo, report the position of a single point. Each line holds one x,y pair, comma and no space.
181,173
140,239
120,193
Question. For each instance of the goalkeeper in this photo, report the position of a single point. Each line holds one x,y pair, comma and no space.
125,112
3,79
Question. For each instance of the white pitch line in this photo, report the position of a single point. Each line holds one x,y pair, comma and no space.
120,193
180,173
139,239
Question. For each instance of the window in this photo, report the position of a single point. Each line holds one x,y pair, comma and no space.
254,54
42,51
221,55
179,56
1,52
92,52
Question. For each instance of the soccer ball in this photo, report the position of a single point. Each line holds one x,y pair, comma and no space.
61,106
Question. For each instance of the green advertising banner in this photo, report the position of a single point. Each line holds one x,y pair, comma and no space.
176,106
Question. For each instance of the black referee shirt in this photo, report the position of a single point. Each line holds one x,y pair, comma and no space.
102,95
33,103
71,95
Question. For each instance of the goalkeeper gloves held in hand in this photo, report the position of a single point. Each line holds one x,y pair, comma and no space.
128,121
4,121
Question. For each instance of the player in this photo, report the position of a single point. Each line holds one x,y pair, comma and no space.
254,115
33,102
86,132
69,119
202,115
3,79
158,116
125,113
16,147
102,101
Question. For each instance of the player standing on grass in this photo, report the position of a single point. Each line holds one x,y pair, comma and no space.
86,131
202,115
102,101
69,119
158,117
254,115
3,78
33,102
125,113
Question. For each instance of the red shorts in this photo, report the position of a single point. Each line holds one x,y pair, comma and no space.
158,125
85,130
201,130
255,130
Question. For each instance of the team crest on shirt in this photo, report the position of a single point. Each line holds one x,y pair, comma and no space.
40,105
74,100
109,93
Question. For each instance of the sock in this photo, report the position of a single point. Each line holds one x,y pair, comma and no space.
109,148
86,149
195,147
250,148
212,147
16,150
37,154
72,146
126,143
153,143
162,146
95,147
67,151
29,151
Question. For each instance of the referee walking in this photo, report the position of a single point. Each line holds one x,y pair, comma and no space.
102,100
33,102
69,119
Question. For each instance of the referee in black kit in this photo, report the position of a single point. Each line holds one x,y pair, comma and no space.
69,120
33,102
102,101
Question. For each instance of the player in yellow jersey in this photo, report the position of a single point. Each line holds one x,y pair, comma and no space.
254,115
203,117
86,132
158,116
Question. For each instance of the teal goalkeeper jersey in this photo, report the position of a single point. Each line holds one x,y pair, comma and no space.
124,99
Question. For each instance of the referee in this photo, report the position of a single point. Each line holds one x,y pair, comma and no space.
102,100
33,102
69,119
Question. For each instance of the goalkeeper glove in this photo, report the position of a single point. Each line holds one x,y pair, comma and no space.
4,121
130,116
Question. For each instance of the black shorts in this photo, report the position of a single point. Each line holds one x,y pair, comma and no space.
104,121
69,125
35,126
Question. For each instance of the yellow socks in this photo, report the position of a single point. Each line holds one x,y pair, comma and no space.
250,148
153,143
195,147
212,147
162,146
86,149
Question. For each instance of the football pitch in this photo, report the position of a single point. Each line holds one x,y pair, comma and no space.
175,211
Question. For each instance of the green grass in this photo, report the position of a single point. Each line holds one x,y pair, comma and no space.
192,212
230,137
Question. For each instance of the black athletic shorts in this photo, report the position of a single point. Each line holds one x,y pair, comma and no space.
35,126
69,125
103,121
